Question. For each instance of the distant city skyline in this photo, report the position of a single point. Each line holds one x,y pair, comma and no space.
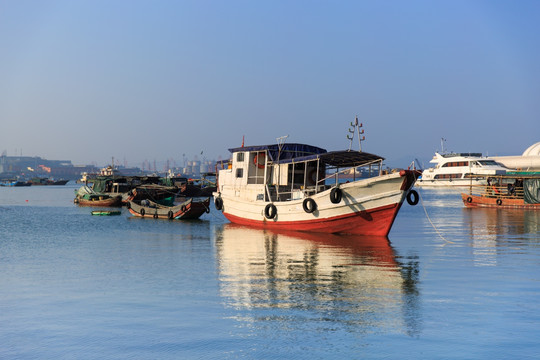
142,80
160,165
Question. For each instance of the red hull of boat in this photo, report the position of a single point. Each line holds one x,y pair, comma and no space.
377,222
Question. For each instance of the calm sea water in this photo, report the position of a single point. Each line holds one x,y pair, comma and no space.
448,283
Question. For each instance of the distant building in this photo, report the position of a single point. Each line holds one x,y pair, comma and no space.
27,166
528,161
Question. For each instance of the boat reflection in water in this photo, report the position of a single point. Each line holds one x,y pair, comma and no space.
346,281
492,230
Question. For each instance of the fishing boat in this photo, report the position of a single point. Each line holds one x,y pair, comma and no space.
134,188
513,190
298,187
190,209
101,200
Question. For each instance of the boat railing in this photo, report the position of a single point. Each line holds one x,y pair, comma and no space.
507,191
340,176
285,193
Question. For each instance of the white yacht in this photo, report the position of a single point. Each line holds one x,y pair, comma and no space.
460,169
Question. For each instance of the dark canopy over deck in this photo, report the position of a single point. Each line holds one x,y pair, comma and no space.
339,159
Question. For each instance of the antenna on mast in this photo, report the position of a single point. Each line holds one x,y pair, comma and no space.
281,140
355,128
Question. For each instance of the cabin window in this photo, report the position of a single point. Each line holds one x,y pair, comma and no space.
448,176
456,163
240,157
239,173
489,162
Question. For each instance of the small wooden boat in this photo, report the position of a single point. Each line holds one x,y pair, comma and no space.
99,200
105,213
189,209
514,190
134,188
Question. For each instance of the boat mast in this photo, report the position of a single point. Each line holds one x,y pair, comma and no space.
355,128
280,141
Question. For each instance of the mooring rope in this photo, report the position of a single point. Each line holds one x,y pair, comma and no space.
431,222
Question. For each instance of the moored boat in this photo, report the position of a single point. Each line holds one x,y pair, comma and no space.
15,183
106,213
513,190
101,200
190,209
298,187
46,181
134,188
460,169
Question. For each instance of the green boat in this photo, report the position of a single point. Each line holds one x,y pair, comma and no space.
106,212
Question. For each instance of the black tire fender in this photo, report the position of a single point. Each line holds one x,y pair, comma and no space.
309,205
335,195
270,211
218,202
412,197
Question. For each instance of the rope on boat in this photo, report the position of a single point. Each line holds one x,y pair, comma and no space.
431,222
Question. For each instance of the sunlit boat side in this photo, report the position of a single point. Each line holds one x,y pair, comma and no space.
298,187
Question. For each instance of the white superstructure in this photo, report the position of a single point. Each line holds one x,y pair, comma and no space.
460,169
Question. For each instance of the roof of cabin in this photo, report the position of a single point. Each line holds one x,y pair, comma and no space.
278,153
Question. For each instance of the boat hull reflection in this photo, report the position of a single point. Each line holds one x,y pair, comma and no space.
357,279
492,229
500,222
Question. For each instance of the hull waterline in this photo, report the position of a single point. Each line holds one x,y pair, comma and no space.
368,207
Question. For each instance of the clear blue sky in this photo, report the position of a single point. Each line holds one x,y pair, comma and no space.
89,80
